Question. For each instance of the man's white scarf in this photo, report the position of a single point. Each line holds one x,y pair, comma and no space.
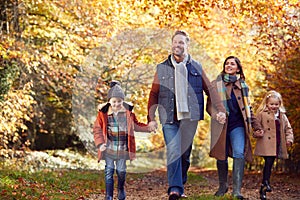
181,88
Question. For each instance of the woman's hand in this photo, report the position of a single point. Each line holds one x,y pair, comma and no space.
221,117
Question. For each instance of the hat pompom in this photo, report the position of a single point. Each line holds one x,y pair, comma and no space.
113,83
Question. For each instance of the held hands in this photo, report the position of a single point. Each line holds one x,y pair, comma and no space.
152,126
102,147
221,117
259,133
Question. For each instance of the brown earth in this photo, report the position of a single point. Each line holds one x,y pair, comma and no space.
153,186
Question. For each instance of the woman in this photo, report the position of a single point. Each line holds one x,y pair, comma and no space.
232,139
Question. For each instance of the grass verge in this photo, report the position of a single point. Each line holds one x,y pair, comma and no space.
54,184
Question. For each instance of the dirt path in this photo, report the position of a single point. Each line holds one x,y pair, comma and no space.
153,186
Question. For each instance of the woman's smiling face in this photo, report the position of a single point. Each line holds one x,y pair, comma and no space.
231,67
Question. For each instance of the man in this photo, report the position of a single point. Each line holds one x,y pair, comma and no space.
177,92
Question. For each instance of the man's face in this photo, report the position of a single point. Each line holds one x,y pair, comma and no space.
179,46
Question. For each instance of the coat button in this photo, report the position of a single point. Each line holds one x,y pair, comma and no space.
239,98
268,121
243,108
269,129
269,138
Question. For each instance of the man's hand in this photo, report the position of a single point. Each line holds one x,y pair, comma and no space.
152,126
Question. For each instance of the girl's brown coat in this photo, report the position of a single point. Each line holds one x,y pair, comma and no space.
266,145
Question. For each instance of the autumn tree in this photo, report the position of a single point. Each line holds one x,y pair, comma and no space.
16,101
57,58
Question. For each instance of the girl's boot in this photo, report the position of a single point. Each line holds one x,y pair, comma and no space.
108,198
263,192
268,186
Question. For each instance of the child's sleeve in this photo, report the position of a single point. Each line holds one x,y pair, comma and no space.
256,120
256,123
288,130
98,131
139,126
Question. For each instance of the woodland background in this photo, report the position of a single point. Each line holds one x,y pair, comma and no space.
58,56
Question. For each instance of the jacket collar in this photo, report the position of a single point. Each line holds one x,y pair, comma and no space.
170,62
267,110
109,112
106,108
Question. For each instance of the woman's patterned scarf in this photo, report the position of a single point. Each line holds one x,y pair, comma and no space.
225,97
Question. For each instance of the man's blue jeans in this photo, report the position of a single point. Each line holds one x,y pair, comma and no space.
179,139
109,176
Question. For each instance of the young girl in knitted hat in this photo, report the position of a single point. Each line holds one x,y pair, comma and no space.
114,137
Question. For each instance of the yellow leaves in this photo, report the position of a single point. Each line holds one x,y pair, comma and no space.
294,2
154,11
60,33
15,111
